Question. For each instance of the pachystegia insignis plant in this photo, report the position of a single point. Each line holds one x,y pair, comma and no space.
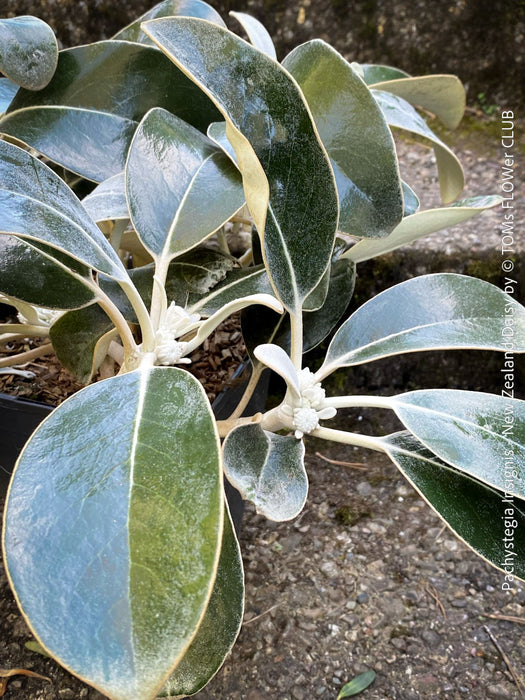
116,514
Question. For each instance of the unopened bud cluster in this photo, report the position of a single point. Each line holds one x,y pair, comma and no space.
305,412
174,323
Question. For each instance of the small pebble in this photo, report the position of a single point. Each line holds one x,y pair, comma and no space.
459,603
431,638
66,694
364,488
499,692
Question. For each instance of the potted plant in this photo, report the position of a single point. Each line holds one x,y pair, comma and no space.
116,513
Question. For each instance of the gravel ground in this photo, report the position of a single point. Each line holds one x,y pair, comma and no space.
366,577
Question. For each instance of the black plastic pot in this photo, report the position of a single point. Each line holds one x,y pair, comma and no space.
19,418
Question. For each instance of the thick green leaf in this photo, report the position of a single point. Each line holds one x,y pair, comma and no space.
8,90
85,118
114,518
239,283
481,434
260,325
196,273
191,190
375,73
356,136
443,95
400,113
219,627
168,8
75,336
28,51
287,178
29,274
431,312
257,33
217,132
190,277
317,297
88,142
357,685
477,514
318,324
421,224
410,200
36,204
107,202
268,469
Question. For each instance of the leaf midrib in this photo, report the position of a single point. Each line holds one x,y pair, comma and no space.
66,218
387,338
449,417
166,251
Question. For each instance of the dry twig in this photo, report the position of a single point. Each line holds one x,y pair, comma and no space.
509,618
337,462
258,617
430,589
515,677
6,674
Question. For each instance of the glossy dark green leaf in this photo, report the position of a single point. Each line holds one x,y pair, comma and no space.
481,434
219,627
239,283
431,312
257,33
113,527
28,51
196,273
260,325
168,8
317,297
357,685
410,200
85,118
190,277
318,324
43,279
107,202
421,224
75,336
36,204
191,190
443,95
8,90
91,143
400,114
268,469
287,177
375,73
479,515
356,136
217,132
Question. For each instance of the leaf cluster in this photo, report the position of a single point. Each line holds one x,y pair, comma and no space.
127,169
